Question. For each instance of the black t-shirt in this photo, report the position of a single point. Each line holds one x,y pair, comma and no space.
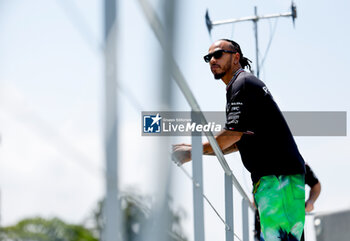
310,177
267,147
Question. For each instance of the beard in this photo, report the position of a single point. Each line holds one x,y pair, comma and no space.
223,70
219,75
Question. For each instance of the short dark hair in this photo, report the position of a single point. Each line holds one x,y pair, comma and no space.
242,60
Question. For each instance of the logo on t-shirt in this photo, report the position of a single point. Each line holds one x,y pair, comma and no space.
266,90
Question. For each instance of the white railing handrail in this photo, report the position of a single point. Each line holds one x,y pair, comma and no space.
185,89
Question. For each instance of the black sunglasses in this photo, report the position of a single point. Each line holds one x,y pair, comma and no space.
217,54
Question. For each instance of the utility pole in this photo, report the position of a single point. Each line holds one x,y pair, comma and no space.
255,19
111,211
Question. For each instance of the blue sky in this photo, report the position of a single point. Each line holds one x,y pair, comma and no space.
51,98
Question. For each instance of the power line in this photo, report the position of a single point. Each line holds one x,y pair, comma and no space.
254,19
269,44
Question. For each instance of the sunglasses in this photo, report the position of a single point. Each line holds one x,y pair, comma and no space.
217,54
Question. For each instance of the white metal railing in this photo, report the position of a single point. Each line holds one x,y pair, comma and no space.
185,89
197,148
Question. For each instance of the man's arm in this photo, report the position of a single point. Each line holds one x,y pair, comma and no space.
313,195
232,148
226,141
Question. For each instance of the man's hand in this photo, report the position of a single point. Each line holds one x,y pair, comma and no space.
309,206
314,193
181,153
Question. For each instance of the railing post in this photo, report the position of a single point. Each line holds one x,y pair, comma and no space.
197,173
111,211
229,207
245,220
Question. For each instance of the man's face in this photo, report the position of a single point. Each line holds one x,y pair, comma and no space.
222,65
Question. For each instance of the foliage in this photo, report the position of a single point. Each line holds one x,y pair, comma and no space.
39,229
137,214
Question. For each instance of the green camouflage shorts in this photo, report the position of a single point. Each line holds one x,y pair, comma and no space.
281,205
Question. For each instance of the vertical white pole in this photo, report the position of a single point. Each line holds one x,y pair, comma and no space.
162,219
159,225
197,173
229,207
245,220
112,213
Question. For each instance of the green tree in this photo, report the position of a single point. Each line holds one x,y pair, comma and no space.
137,210
39,229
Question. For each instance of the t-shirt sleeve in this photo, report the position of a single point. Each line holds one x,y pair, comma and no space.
236,112
310,177
239,106
244,104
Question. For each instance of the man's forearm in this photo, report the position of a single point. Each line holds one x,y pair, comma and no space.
226,141
228,150
315,192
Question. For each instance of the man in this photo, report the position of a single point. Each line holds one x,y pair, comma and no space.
256,127
315,190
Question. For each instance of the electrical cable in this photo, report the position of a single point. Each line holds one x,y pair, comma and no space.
269,44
